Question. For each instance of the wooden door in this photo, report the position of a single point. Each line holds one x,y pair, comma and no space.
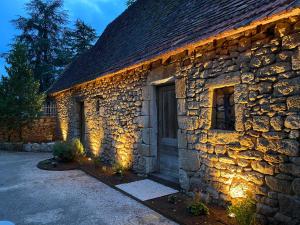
81,123
167,131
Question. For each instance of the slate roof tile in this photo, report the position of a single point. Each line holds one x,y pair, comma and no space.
151,27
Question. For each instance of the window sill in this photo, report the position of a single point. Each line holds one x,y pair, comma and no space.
223,136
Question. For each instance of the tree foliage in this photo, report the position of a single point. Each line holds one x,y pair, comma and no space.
41,32
130,2
81,38
20,99
51,43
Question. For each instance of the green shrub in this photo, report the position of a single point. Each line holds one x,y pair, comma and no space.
172,199
77,147
63,151
119,169
196,207
97,161
243,211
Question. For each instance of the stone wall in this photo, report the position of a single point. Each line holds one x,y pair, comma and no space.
261,155
41,130
29,147
112,125
38,147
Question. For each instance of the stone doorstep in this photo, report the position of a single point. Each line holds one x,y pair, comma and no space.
146,189
136,199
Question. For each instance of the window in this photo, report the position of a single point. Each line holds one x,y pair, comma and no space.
49,108
98,105
223,109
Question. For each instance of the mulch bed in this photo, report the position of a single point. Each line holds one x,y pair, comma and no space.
175,211
106,174
54,165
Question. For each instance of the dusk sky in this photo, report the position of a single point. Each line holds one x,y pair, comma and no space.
97,13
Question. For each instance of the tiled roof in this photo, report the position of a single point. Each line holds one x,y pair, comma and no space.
151,27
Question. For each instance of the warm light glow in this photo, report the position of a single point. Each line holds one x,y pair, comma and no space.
62,116
124,147
90,159
238,190
124,156
231,215
94,130
123,139
64,127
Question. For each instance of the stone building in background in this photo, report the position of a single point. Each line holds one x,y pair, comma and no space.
203,93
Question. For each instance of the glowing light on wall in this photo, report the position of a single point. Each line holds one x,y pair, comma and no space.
94,136
239,189
95,140
94,128
64,128
124,149
63,115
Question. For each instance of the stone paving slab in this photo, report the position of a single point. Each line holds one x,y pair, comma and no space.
146,189
30,196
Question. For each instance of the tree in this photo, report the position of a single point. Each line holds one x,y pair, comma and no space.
82,37
20,99
41,32
130,2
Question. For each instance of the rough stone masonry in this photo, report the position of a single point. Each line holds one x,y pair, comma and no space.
260,155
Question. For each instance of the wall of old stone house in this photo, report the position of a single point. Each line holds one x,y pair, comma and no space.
112,126
260,156
40,130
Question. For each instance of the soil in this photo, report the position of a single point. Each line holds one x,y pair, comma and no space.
106,173
55,165
177,211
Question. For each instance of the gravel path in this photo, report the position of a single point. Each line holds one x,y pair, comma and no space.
29,195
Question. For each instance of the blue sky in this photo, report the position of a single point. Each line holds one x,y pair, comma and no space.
97,13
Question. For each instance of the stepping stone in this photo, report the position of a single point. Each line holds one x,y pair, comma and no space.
146,189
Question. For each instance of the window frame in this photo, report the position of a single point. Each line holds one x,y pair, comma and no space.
49,108
228,92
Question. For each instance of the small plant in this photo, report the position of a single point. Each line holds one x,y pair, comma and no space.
97,161
119,169
77,147
172,199
63,151
104,168
243,211
197,207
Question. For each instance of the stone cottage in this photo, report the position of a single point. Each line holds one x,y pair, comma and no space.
203,93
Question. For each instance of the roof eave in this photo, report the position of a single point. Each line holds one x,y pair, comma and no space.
290,11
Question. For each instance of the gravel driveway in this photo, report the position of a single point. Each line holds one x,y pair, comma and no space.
29,195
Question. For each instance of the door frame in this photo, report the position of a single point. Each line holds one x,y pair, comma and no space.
153,166
79,119
167,141
161,75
